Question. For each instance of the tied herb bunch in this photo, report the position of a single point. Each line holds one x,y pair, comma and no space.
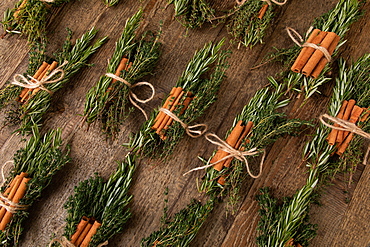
72,57
289,223
104,201
338,21
131,60
247,22
29,17
201,81
268,126
39,160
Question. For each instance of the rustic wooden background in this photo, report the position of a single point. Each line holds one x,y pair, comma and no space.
343,217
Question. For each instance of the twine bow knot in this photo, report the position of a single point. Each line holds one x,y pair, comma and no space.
233,153
291,32
132,96
22,81
193,131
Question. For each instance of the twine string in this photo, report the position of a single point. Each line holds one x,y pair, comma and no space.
293,34
193,131
32,83
346,126
132,96
233,153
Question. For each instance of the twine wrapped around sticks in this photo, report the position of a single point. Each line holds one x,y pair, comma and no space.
291,32
190,130
22,81
233,153
63,241
346,126
10,206
269,2
132,96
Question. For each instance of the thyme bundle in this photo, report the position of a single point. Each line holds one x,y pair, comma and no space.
108,99
290,218
200,86
247,22
338,21
32,111
40,160
268,126
29,17
104,201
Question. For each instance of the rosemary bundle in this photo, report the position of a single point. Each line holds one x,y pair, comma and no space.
338,21
72,57
108,99
288,223
102,201
268,126
39,160
29,17
247,22
200,86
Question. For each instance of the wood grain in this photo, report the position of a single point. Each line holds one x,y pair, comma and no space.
340,223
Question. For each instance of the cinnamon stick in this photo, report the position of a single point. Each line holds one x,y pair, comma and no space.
90,234
121,66
323,61
332,137
83,233
315,37
11,190
16,13
262,11
80,227
21,191
346,116
171,98
317,55
167,118
232,139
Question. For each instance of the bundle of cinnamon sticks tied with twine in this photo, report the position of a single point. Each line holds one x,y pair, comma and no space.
350,112
316,52
235,140
163,121
86,229
11,197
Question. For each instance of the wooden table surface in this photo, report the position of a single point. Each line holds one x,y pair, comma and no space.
343,218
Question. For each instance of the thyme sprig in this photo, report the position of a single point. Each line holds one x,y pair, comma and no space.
41,158
317,153
34,109
242,21
108,101
202,85
105,201
29,17
337,20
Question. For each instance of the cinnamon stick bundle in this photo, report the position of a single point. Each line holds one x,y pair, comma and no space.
85,230
333,134
163,121
310,61
15,192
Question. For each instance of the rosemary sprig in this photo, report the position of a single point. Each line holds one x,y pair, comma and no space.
34,109
29,17
41,159
184,226
202,85
108,101
337,20
105,201
110,3
317,153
